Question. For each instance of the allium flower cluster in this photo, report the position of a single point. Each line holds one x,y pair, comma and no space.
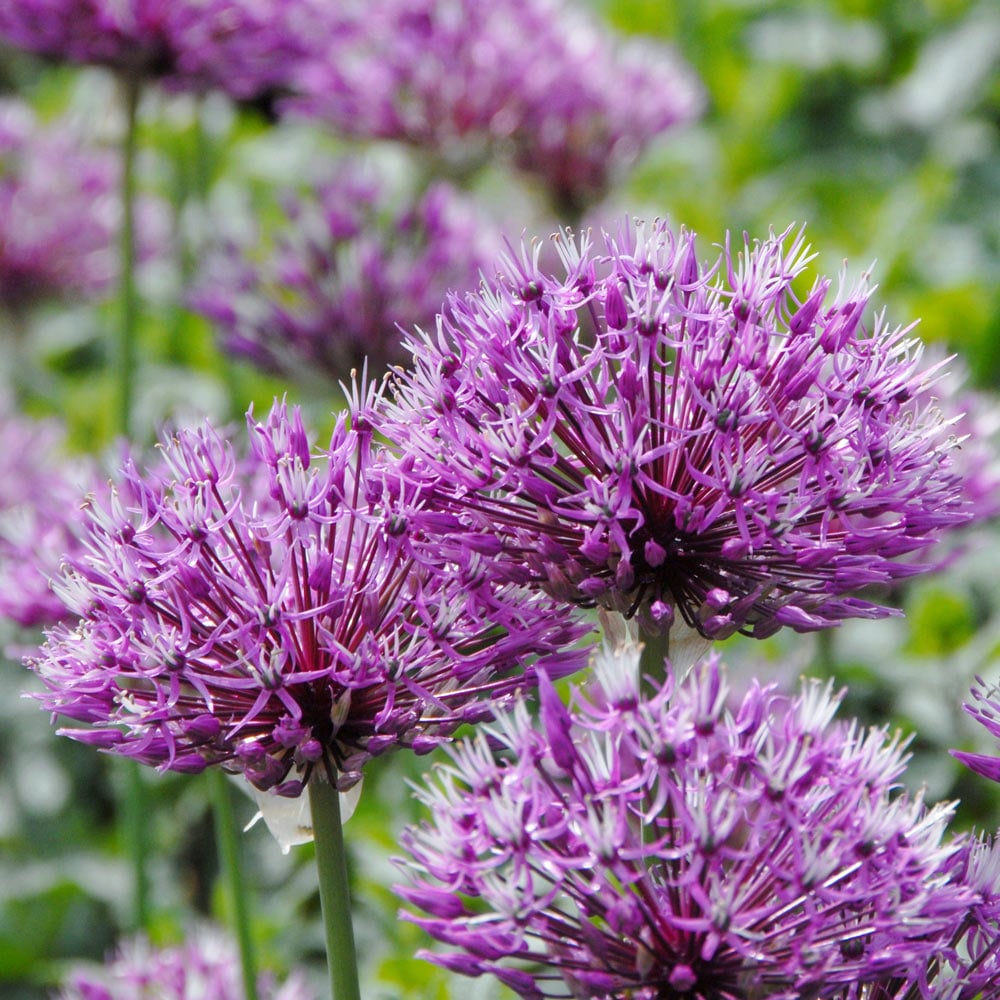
58,212
205,967
40,489
285,618
248,48
535,79
355,261
665,437
668,847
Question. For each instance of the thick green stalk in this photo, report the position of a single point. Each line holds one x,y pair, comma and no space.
228,842
135,813
652,660
334,889
127,333
135,817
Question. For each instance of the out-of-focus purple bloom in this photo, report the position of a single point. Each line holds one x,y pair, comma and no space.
352,266
665,847
58,212
206,966
248,48
127,35
283,620
665,437
539,80
40,491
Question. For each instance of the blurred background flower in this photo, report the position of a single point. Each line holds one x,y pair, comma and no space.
539,81
41,520
205,966
356,260
59,212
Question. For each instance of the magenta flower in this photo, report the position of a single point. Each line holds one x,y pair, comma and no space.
664,847
40,489
274,620
354,263
206,966
537,80
665,437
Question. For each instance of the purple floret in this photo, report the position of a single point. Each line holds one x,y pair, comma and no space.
59,212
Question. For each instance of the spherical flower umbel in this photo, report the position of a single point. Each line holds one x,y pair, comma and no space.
284,618
206,966
664,846
670,438
355,260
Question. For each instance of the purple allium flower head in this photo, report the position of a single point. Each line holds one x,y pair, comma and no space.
206,966
538,80
40,489
676,439
275,621
58,212
356,261
665,847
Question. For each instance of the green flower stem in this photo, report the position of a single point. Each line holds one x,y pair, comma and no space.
127,333
826,654
228,842
134,818
334,890
134,812
652,660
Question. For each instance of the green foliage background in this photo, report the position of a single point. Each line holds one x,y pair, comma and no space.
877,124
